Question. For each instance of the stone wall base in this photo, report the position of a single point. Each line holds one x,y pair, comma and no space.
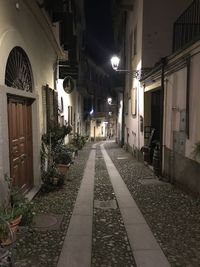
181,171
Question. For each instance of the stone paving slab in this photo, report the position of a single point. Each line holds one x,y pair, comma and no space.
80,225
151,182
83,208
150,258
141,237
139,234
76,251
132,215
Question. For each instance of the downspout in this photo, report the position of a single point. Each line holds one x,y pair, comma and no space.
122,141
188,98
162,111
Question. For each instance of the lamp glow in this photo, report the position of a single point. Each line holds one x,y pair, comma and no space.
109,101
115,62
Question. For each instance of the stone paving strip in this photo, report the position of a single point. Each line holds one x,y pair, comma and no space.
77,247
40,247
145,248
173,216
110,241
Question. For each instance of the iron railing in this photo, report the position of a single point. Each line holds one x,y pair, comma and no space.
187,26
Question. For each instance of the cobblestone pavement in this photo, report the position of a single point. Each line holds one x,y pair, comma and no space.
42,248
173,216
110,241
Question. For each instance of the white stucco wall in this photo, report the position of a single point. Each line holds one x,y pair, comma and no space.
134,20
100,130
194,104
119,118
175,101
19,27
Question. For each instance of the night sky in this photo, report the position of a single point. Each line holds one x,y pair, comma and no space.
99,34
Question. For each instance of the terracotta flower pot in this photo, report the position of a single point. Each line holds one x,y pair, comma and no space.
63,168
14,225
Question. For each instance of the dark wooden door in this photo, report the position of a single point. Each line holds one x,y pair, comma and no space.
155,113
20,141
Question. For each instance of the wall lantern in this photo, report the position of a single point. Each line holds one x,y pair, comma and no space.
92,111
115,64
109,100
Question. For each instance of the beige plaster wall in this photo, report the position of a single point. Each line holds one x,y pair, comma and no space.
98,129
134,62
175,101
19,27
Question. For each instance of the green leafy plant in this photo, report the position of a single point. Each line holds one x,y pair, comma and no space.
53,148
17,204
4,231
52,179
79,141
62,155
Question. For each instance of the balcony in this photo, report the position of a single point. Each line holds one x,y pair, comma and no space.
187,27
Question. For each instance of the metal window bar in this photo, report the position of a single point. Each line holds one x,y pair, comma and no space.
187,26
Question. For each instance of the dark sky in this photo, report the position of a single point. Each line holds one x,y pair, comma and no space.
99,30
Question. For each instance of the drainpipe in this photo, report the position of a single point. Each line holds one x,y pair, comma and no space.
122,141
188,98
163,61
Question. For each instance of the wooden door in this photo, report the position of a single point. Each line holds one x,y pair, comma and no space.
20,141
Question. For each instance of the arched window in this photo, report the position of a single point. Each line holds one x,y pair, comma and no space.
18,70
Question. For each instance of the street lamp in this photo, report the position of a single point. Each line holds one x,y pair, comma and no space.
91,111
109,100
115,64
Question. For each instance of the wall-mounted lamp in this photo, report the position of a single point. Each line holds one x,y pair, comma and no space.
109,100
92,111
115,64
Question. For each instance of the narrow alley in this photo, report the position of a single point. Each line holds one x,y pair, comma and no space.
99,133
112,211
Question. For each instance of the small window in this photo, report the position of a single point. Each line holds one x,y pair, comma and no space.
18,70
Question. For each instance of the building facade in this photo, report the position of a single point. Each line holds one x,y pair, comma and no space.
160,50
29,52
179,81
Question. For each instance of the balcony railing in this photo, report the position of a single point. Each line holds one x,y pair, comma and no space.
187,26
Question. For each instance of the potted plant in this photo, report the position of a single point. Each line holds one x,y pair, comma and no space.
79,141
52,178
10,220
53,150
62,158
15,210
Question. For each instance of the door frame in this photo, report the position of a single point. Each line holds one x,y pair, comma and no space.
27,102
4,134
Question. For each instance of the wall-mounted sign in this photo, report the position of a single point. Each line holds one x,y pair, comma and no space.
68,84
